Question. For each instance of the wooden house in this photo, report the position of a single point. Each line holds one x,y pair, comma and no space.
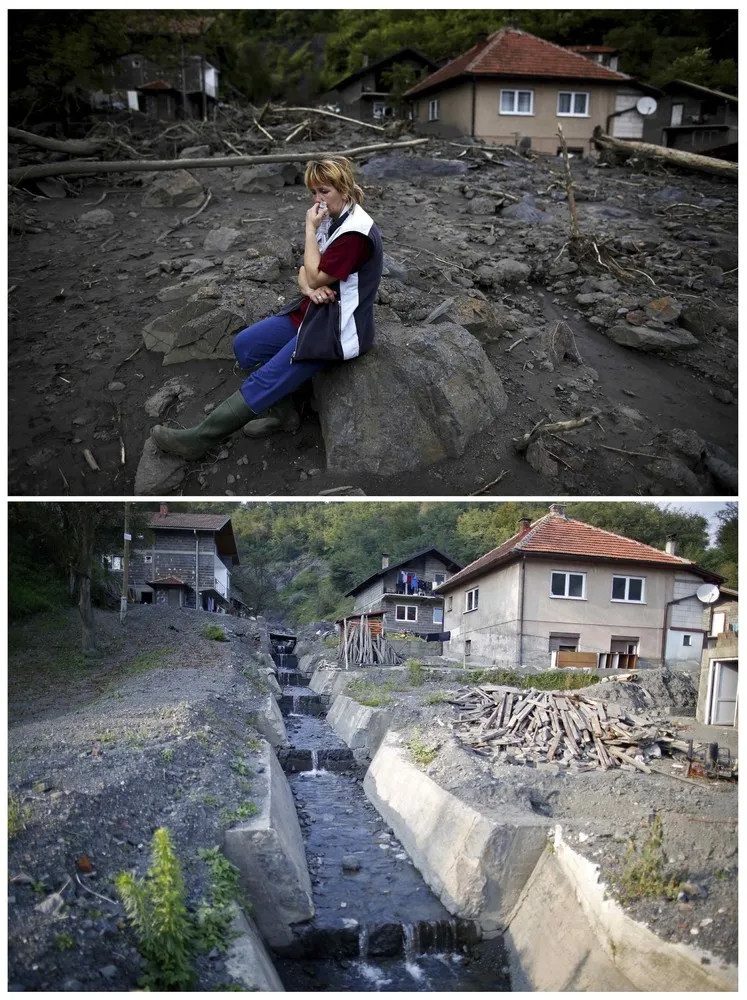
366,95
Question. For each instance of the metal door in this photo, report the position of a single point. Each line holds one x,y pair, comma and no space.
725,683
173,597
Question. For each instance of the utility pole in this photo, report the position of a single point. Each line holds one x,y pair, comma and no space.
125,565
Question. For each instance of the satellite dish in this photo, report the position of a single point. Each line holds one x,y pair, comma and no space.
646,106
707,593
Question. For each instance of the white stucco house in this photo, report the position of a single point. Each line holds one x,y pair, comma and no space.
562,593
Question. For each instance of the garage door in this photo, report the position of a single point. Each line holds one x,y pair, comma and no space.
629,125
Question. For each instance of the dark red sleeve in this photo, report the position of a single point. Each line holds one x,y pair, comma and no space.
345,255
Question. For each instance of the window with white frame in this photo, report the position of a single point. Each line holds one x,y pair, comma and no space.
573,103
406,613
113,562
434,110
718,623
471,599
438,578
631,589
438,616
569,585
517,102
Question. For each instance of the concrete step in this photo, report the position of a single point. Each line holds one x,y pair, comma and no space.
285,661
294,759
385,940
301,704
292,677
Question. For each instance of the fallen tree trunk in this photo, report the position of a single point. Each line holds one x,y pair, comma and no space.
677,157
74,147
17,174
333,114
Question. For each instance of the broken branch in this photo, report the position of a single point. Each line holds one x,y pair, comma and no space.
521,444
73,147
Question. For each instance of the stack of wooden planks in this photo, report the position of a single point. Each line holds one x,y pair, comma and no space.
531,727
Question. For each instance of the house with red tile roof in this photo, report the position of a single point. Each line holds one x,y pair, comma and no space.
513,86
562,593
183,560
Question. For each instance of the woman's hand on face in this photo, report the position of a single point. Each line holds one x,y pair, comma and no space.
315,215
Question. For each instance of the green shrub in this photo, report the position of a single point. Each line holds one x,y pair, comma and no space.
415,673
147,661
331,642
438,697
64,941
215,913
157,908
421,753
214,632
244,811
644,869
561,680
18,816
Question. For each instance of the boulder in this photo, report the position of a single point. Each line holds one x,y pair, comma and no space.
266,177
157,404
473,312
157,473
525,211
482,206
220,240
504,272
195,152
173,188
409,168
97,217
702,319
419,396
644,338
665,309
198,330
183,291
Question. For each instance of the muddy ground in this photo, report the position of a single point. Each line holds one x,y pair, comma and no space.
79,374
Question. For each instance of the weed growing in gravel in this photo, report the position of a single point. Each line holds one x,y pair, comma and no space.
372,693
548,680
415,673
214,632
244,811
210,800
18,816
421,753
331,642
143,662
168,753
254,743
214,914
438,697
240,766
64,941
157,908
644,869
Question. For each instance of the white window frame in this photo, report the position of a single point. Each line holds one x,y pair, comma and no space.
438,611
383,108
573,94
714,630
687,639
515,110
113,563
626,599
472,600
434,110
566,596
405,608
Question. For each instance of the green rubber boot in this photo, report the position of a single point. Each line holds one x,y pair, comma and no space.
193,442
283,416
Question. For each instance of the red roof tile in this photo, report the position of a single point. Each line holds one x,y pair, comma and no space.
207,522
510,52
557,535
591,48
168,581
156,85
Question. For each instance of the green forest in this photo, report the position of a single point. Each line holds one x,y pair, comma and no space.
297,560
299,54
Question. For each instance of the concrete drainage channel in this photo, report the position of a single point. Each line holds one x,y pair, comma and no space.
339,870
376,925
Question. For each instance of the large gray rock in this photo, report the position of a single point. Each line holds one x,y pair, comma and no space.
644,338
267,177
222,239
525,211
400,165
473,312
97,217
198,330
157,473
195,152
419,396
173,188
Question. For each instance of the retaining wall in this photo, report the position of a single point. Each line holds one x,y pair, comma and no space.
247,960
268,850
360,726
268,720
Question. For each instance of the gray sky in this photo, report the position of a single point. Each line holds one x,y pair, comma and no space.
707,508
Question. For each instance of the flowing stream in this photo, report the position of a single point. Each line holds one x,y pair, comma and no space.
377,925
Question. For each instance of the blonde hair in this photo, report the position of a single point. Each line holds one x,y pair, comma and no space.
337,171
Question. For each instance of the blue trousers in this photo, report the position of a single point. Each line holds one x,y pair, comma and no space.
271,341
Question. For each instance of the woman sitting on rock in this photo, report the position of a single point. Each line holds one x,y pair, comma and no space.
333,321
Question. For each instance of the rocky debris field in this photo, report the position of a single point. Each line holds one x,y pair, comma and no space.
152,733
124,297
599,811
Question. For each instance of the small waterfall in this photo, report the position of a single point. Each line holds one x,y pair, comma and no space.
281,663
363,941
314,761
296,704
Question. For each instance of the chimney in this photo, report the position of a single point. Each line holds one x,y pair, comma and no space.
164,509
384,560
558,509
672,545
525,523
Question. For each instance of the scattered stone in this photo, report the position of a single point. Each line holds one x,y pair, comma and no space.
525,211
96,218
109,971
194,152
196,266
540,461
665,309
116,386
265,177
220,240
174,188
262,269
40,458
158,473
197,331
72,986
404,167
157,404
725,474
350,863
644,338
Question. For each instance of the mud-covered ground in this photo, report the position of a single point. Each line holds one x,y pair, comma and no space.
153,732
79,374
599,811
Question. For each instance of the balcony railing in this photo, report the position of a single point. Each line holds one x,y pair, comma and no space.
220,587
423,589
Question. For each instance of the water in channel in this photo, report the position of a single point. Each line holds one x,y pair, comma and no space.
377,925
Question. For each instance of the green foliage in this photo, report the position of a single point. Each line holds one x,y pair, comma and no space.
438,697
64,941
210,800
168,753
157,908
560,680
241,767
511,678
644,872
421,752
415,673
331,642
18,816
151,660
372,693
244,811
214,914
214,632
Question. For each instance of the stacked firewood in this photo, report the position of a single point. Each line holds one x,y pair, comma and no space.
543,726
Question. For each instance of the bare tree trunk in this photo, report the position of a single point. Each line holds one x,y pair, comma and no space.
74,147
83,572
675,157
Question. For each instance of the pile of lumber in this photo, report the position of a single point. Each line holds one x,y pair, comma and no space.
361,646
532,727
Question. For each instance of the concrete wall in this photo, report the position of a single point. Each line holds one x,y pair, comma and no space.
360,726
455,112
726,647
492,629
268,850
247,959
